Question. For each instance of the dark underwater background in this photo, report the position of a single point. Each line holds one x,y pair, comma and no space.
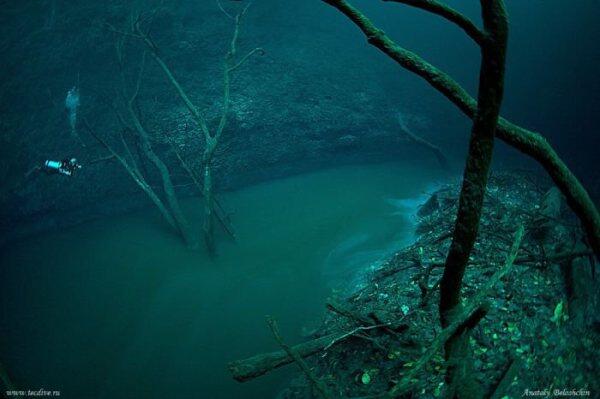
100,299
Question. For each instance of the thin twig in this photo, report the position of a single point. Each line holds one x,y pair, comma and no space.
101,159
353,332
222,9
258,50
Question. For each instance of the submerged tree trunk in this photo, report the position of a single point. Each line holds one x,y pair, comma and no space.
177,215
526,141
481,146
181,223
211,140
219,212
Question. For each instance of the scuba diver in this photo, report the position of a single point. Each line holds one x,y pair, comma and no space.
66,167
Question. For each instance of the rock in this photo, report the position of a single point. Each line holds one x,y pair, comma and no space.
430,206
544,228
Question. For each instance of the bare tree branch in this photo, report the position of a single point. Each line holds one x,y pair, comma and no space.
258,50
228,15
526,141
167,71
479,157
437,151
136,176
441,9
211,139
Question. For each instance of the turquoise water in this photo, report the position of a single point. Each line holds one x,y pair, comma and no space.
118,308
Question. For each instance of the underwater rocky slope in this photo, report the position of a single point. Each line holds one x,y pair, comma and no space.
294,109
534,310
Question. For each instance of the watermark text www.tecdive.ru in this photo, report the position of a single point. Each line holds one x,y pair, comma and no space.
32,393
565,393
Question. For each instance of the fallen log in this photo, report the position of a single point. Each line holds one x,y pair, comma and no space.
255,366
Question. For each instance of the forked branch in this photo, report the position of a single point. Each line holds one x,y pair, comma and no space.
211,139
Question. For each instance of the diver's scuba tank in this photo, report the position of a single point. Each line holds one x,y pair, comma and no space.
53,166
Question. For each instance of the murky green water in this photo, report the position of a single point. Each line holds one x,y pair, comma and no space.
118,308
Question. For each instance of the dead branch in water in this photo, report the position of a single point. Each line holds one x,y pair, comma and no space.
420,141
255,366
220,213
319,386
132,169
